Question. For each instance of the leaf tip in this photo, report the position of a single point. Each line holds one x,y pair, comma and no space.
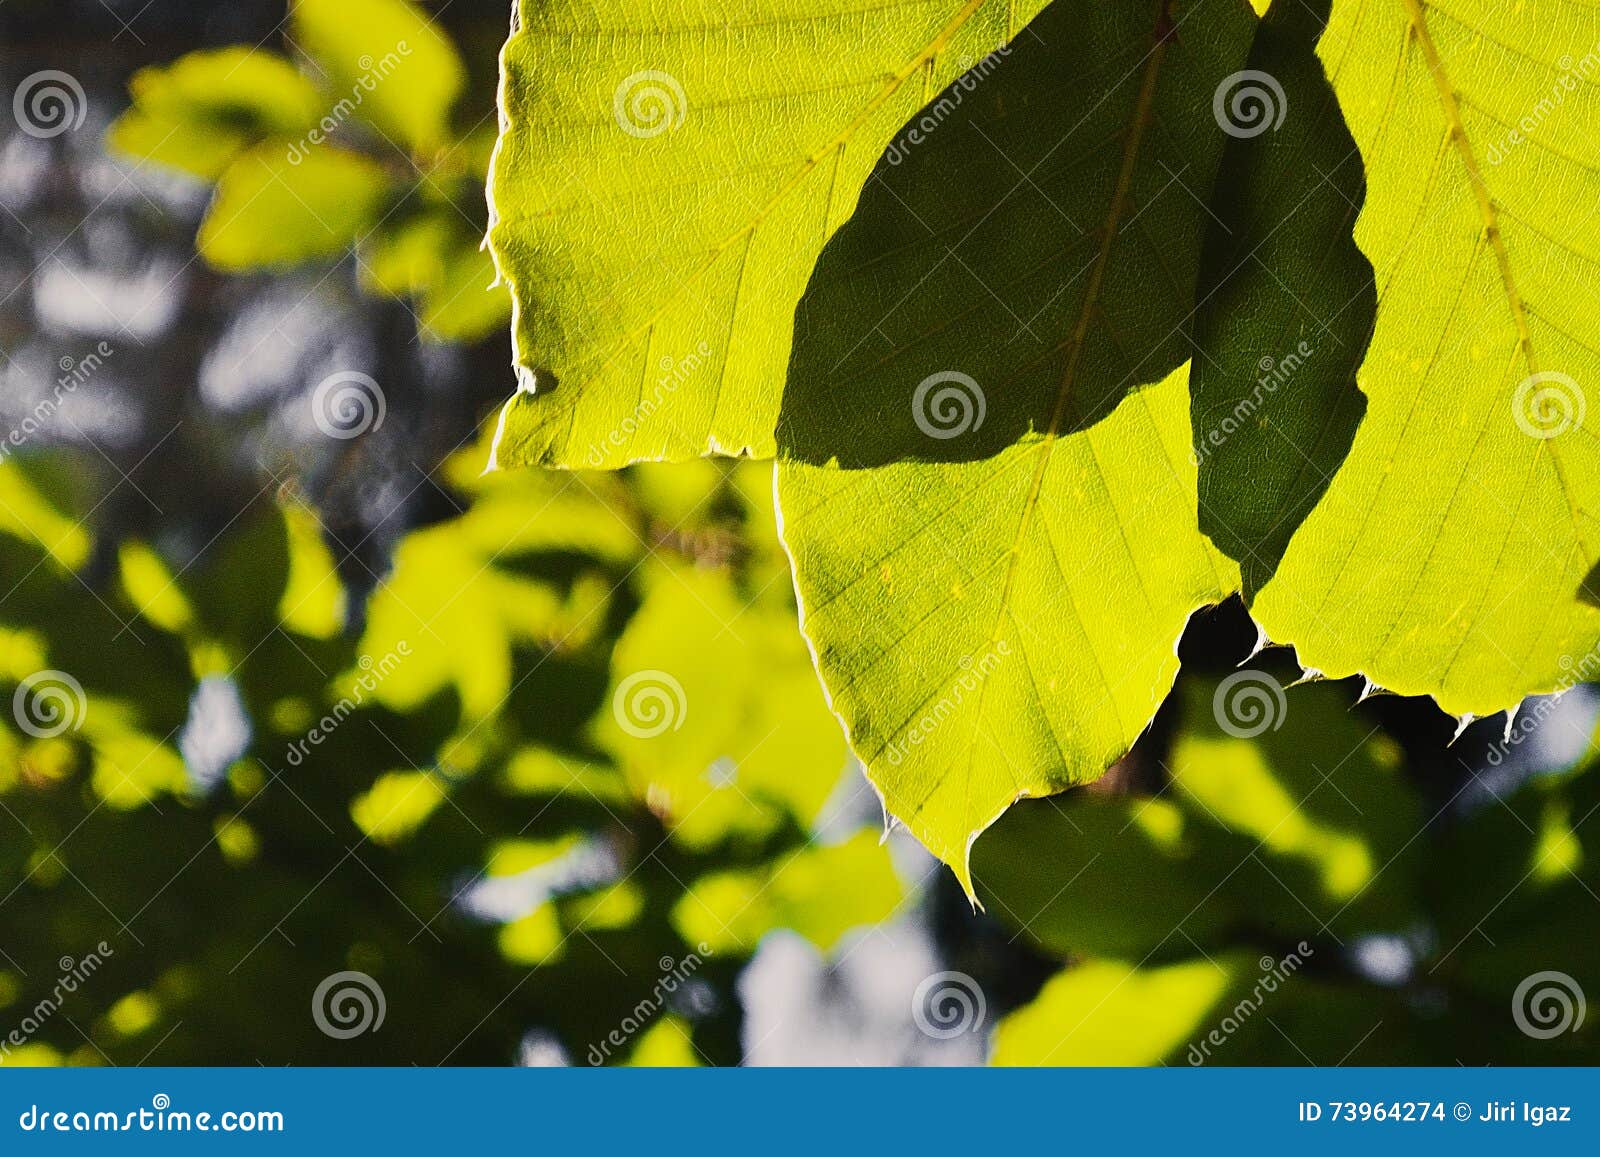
963,871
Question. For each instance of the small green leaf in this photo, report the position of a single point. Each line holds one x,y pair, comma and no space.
819,892
1315,788
385,61
202,110
665,1045
272,213
437,260
1109,1013
397,804
1108,876
715,715
456,603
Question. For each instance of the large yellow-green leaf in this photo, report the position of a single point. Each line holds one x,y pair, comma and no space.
664,183
985,641
1448,552
986,486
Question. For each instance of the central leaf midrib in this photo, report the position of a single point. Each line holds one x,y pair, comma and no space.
1119,201
1488,212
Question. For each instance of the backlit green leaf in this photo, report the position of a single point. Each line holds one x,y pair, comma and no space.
437,260
819,892
271,213
1087,873
384,61
200,111
992,524
456,604
661,193
1447,555
714,712
1285,301
1108,1013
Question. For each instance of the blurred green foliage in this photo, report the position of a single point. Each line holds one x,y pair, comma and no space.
350,145
1289,898
441,799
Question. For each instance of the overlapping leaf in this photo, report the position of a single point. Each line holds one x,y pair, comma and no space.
994,534
972,480
662,188
1285,301
1447,555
